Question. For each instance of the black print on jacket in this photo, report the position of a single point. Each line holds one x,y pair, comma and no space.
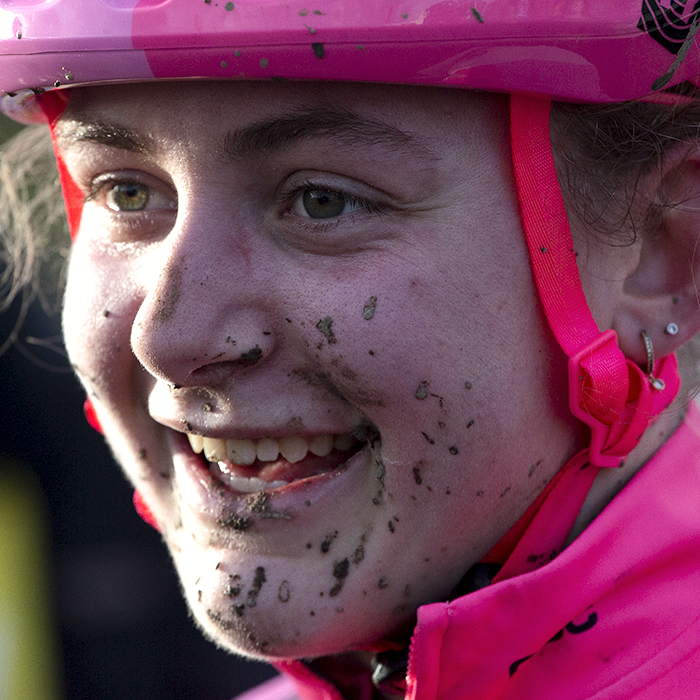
571,628
666,24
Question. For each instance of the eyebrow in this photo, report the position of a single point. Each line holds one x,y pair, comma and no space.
265,136
343,126
72,132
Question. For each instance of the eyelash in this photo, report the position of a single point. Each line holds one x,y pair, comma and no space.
101,187
288,198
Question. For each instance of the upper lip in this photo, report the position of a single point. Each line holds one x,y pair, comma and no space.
250,433
247,432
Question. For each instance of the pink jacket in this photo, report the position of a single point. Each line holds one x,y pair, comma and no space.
614,616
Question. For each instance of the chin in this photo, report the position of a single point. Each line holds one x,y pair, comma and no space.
260,620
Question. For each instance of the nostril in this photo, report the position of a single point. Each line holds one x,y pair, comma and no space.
221,366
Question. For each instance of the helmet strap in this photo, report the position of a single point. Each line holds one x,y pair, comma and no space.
53,104
607,392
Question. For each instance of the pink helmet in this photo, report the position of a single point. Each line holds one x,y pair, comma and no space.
594,51
580,51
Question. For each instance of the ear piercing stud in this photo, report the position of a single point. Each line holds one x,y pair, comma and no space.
655,382
672,329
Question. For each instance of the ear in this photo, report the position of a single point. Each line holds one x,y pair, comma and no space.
655,283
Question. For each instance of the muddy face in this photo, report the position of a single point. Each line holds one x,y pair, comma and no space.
338,367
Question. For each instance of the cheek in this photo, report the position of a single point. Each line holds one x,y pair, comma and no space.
455,368
97,319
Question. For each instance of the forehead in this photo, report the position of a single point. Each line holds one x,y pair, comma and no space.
417,120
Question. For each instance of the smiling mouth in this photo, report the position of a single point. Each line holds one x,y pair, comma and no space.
249,466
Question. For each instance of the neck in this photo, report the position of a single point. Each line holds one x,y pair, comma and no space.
609,482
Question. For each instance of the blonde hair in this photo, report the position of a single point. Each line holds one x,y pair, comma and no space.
34,239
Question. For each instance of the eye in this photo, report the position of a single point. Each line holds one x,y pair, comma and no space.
127,196
319,203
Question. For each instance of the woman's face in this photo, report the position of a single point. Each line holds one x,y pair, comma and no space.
272,266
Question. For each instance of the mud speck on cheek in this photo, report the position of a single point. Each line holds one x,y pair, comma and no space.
422,391
326,544
283,594
428,439
379,474
326,327
358,555
340,573
416,476
382,584
368,309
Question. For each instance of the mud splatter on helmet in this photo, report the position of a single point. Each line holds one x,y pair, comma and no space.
591,50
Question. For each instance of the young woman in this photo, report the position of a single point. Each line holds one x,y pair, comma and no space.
392,366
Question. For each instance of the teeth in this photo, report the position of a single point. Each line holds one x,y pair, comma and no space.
240,452
268,450
244,485
343,442
293,448
321,445
215,450
196,442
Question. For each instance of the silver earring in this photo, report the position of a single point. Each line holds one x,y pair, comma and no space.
672,329
655,382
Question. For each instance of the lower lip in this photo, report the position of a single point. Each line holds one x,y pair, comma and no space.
215,504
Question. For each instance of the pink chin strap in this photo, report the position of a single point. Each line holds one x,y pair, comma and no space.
607,392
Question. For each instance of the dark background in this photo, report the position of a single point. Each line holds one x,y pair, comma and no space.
122,628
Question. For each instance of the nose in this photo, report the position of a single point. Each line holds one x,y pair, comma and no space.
204,314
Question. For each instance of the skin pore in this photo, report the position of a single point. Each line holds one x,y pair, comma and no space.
266,260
